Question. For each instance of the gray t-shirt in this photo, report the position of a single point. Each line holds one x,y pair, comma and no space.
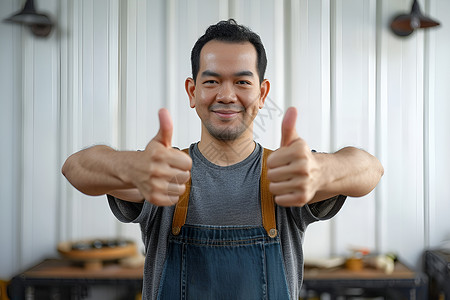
223,196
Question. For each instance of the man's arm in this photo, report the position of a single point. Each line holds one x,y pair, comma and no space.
299,176
350,171
102,170
156,174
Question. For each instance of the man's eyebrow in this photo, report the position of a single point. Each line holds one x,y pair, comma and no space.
244,73
207,73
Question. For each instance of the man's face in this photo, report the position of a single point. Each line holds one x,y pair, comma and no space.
227,94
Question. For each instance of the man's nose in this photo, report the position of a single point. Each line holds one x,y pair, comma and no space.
226,93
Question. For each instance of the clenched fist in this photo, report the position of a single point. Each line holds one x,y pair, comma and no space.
293,171
161,171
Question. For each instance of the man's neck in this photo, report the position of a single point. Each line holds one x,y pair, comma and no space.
226,153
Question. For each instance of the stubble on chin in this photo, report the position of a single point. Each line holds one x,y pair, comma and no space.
226,133
230,132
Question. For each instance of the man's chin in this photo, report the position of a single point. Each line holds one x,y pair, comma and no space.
226,134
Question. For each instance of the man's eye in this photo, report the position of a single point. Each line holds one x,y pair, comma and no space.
243,82
210,82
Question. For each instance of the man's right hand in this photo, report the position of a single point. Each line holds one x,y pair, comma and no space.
157,174
160,172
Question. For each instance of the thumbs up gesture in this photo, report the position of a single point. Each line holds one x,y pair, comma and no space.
293,172
162,171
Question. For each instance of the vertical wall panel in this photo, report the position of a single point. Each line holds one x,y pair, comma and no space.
141,96
438,98
404,195
26,200
68,94
92,112
308,89
382,126
66,48
155,68
10,133
310,70
95,218
129,91
354,110
39,169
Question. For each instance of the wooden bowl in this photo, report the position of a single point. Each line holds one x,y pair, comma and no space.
92,253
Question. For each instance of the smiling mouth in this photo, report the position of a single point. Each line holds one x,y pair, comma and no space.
226,112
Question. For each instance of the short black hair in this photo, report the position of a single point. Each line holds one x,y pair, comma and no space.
229,31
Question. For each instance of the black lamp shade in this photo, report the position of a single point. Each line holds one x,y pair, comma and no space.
40,24
404,24
30,19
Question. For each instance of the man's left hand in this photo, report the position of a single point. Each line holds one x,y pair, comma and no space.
293,172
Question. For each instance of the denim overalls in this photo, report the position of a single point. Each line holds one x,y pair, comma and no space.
225,262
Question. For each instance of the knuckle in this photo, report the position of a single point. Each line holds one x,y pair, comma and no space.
153,186
157,200
303,169
272,188
181,189
302,200
152,170
270,176
157,155
174,200
299,184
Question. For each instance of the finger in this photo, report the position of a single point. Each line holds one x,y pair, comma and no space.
289,200
165,184
280,174
181,177
162,199
179,160
286,155
288,131
286,187
175,189
164,135
280,157
164,193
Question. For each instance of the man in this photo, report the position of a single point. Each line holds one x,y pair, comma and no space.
225,238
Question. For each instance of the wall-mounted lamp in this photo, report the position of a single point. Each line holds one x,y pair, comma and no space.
404,24
40,24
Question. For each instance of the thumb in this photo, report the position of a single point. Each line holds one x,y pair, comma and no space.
288,131
164,135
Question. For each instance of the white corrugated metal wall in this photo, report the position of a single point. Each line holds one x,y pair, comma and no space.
110,65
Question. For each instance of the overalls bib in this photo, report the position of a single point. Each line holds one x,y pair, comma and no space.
225,262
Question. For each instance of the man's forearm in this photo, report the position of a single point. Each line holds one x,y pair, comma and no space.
95,171
349,171
158,174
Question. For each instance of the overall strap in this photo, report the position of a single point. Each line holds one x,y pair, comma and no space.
180,213
267,203
267,199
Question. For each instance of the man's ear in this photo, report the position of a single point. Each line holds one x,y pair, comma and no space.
264,91
189,85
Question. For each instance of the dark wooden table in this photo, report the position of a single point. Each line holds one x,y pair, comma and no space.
62,279
402,283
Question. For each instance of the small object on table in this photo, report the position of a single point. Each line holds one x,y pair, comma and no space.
354,264
324,262
384,262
